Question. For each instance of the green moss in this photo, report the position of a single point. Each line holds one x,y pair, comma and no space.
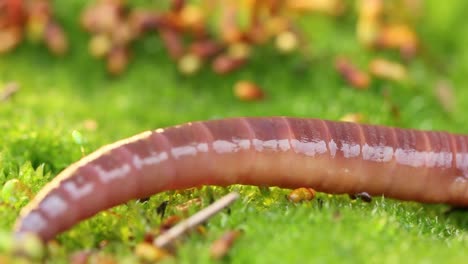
57,95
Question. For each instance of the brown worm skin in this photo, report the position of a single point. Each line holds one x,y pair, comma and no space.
332,157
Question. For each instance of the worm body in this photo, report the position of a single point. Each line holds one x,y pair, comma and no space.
332,157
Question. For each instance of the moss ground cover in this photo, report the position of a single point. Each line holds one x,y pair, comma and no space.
58,95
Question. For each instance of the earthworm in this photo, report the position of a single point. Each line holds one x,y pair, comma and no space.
332,157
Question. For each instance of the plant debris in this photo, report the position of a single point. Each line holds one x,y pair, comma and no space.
194,36
80,257
353,76
161,209
167,237
184,207
248,91
445,94
388,69
353,117
168,223
191,35
362,195
221,246
31,19
150,253
8,91
301,194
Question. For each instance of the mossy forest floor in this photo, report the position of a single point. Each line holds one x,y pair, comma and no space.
58,95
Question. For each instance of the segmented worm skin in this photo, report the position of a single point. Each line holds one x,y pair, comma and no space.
331,157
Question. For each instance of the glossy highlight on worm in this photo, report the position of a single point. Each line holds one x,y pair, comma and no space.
332,157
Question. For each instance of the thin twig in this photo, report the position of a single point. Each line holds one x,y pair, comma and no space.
196,219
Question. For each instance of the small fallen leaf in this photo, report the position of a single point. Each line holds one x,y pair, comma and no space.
117,60
80,257
9,38
388,69
353,117
239,50
55,39
148,252
248,91
400,36
205,48
90,124
184,207
8,91
173,42
352,74
168,223
189,64
301,194
224,64
445,94
191,15
220,247
287,42
329,7
100,45
336,215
